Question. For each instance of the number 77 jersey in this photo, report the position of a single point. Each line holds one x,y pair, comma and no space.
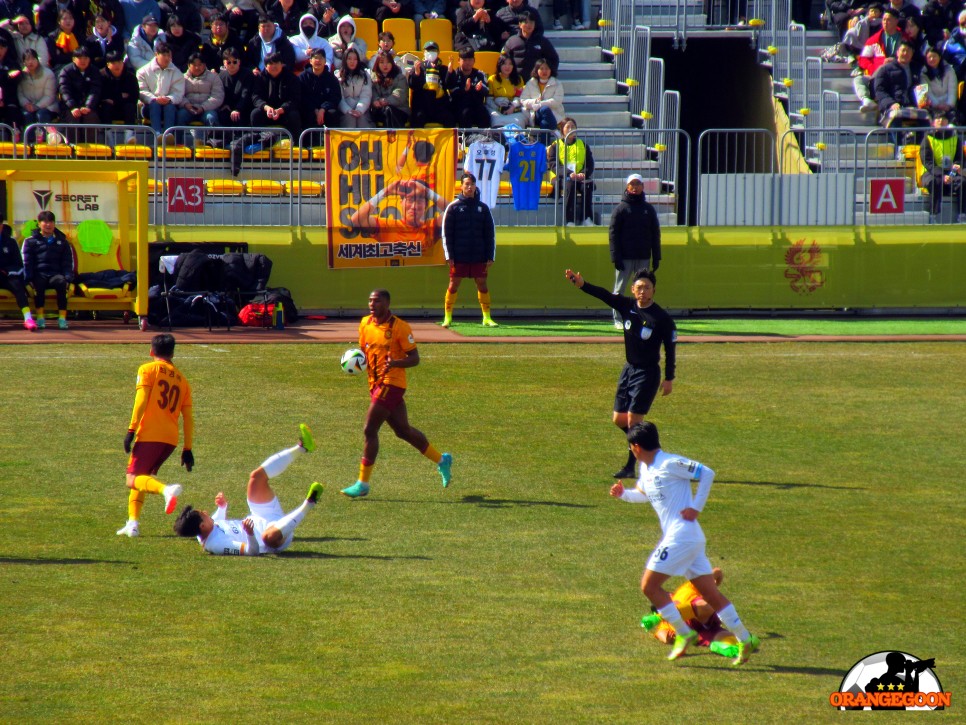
527,165
486,161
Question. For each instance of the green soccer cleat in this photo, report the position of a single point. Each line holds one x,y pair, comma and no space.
315,490
745,650
356,490
650,621
725,650
306,439
447,321
681,645
445,468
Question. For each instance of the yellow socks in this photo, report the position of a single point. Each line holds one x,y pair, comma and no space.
365,471
448,303
432,454
484,298
135,501
149,484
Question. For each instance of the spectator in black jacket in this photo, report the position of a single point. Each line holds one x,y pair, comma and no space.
269,40
80,93
48,261
478,28
510,16
188,13
938,17
286,14
238,81
469,241
893,86
119,91
635,237
103,41
467,92
183,43
11,273
222,37
276,96
320,93
527,47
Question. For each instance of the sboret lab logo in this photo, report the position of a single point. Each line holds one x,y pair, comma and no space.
891,680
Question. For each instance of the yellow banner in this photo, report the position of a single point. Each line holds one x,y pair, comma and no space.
385,195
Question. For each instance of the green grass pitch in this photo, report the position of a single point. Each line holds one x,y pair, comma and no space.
511,597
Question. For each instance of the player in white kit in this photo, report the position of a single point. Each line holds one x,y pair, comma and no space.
267,529
665,481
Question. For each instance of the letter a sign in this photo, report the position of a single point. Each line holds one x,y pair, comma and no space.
186,196
887,196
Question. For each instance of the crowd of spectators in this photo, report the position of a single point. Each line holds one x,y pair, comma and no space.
293,63
908,59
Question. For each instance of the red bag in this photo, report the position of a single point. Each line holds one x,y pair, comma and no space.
257,314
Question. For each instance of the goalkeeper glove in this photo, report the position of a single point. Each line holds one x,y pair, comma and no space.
187,459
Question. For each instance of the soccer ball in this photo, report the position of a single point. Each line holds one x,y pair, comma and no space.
353,361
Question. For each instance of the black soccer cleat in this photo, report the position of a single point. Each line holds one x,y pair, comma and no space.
626,472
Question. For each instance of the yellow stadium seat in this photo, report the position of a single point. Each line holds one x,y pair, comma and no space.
9,150
450,58
284,153
438,29
224,187
368,30
174,151
303,188
153,186
132,151
264,187
93,151
317,153
403,30
53,151
263,155
486,61
206,153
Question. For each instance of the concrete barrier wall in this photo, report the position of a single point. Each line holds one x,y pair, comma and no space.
702,269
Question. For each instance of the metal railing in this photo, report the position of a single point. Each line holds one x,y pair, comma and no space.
638,62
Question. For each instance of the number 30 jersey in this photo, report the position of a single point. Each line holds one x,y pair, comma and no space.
168,393
527,165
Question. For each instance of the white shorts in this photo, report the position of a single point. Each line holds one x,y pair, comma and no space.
681,558
263,516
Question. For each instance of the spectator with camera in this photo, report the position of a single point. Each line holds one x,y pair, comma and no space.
478,28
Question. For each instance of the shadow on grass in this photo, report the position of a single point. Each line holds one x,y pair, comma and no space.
324,539
38,562
789,486
322,555
485,502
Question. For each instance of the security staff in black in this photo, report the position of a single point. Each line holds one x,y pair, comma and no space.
646,327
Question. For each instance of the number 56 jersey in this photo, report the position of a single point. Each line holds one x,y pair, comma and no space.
168,393
527,165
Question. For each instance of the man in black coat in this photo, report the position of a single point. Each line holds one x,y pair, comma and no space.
119,92
277,96
527,47
469,241
238,81
269,40
10,111
635,237
321,93
103,41
80,92
893,86
509,15
48,261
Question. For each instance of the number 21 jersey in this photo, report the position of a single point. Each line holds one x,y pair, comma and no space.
528,164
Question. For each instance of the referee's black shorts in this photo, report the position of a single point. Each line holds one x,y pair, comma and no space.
636,389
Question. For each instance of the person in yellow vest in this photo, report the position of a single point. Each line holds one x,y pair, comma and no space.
941,153
571,162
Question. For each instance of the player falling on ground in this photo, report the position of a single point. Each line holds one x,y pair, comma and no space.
267,529
665,481
162,396
647,326
699,616
390,348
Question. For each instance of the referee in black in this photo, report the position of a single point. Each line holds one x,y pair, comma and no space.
646,327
